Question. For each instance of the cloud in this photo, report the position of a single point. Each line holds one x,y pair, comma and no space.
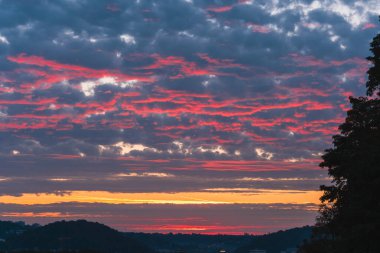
174,218
127,39
145,174
175,96
88,87
218,150
126,148
4,40
264,154
15,152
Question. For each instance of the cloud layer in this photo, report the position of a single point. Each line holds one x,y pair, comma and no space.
158,97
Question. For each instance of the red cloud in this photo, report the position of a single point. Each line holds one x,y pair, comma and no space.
53,72
28,102
220,8
258,166
259,28
368,26
184,68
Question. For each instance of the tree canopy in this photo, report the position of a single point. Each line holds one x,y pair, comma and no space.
349,217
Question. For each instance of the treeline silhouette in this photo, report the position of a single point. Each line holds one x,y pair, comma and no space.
73,235
279,241
54,251
82,236
192,242
349,216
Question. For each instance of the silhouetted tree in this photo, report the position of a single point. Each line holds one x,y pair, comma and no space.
373,82
349,219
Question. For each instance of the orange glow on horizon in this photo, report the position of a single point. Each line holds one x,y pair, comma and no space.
256,196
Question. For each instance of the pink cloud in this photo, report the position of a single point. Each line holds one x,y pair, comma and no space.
259,28
368,26
220,8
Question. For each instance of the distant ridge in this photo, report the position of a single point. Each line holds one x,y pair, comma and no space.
194,243
84,237
75,235
278,241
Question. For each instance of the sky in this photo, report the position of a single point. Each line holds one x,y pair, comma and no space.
183,116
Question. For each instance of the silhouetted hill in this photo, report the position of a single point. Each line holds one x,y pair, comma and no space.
195,243
276,242
75,235
90,237
9,228
192,243
52,251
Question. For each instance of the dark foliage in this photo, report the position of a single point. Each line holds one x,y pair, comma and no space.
9,228
349,219
53,251
89,237
74,235
192,243
279,241
373,82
